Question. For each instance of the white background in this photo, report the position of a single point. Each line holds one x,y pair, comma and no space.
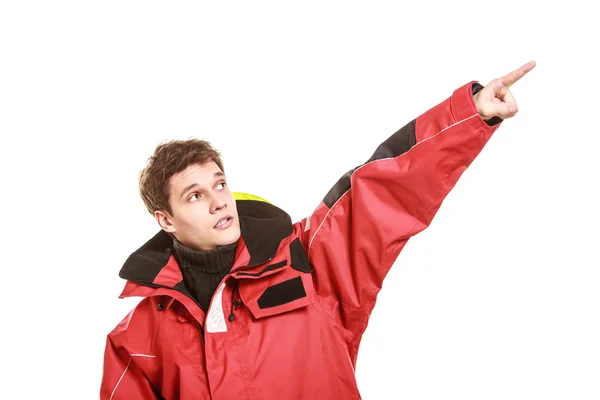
499,298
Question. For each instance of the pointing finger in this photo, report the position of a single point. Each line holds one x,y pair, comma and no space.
517,74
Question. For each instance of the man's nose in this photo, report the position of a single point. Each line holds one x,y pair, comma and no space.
218,203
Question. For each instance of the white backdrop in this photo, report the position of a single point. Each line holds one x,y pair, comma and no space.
497,299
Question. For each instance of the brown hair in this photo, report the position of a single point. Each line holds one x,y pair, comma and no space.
168,159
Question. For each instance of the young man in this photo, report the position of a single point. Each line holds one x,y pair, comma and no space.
241,303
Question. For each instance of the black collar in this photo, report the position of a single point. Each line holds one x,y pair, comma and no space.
263,226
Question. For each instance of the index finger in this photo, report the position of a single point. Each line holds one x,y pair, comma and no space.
511,78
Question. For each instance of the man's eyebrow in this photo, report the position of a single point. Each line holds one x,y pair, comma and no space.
187,189
193,185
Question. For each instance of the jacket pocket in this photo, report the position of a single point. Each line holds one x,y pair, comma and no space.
284,292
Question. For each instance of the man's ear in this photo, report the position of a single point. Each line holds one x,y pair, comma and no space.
164,220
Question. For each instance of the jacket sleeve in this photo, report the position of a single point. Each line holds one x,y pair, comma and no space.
122,378
356,233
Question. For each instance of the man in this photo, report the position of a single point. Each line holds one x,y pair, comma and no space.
241,303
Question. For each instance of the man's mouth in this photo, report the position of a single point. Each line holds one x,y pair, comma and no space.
224,222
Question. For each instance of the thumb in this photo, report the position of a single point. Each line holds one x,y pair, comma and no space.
505,110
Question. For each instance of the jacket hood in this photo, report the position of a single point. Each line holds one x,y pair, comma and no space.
263,226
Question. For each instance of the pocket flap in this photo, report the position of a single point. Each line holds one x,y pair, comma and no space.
283,293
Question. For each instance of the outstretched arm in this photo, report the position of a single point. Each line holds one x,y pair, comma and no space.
357,232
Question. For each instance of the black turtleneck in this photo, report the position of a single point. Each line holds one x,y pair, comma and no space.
203,270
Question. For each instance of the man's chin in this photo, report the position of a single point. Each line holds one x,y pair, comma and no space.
229,239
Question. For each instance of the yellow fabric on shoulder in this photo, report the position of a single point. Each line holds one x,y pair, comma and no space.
248,196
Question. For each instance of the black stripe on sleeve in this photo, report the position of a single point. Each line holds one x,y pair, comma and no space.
396,145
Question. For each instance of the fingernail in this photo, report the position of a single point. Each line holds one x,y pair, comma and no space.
512,109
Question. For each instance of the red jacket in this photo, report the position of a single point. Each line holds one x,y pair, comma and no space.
287,321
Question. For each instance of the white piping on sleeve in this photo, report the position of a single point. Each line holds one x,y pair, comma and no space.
325,219
126,368
122,375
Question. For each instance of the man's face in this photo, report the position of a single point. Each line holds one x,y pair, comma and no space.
204,211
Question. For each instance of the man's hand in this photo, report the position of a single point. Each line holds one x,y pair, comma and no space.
495,99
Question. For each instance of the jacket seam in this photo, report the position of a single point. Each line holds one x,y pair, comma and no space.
364,321
121,378
327,215
378,160
348,336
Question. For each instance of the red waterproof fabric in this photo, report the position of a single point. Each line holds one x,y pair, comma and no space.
305,294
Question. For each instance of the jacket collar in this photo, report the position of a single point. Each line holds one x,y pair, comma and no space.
263,230
263,227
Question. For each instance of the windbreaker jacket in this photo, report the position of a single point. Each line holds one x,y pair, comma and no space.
287,321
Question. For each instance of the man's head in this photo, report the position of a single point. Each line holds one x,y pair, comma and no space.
184,187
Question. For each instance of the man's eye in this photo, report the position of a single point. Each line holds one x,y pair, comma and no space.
194,197
221,185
